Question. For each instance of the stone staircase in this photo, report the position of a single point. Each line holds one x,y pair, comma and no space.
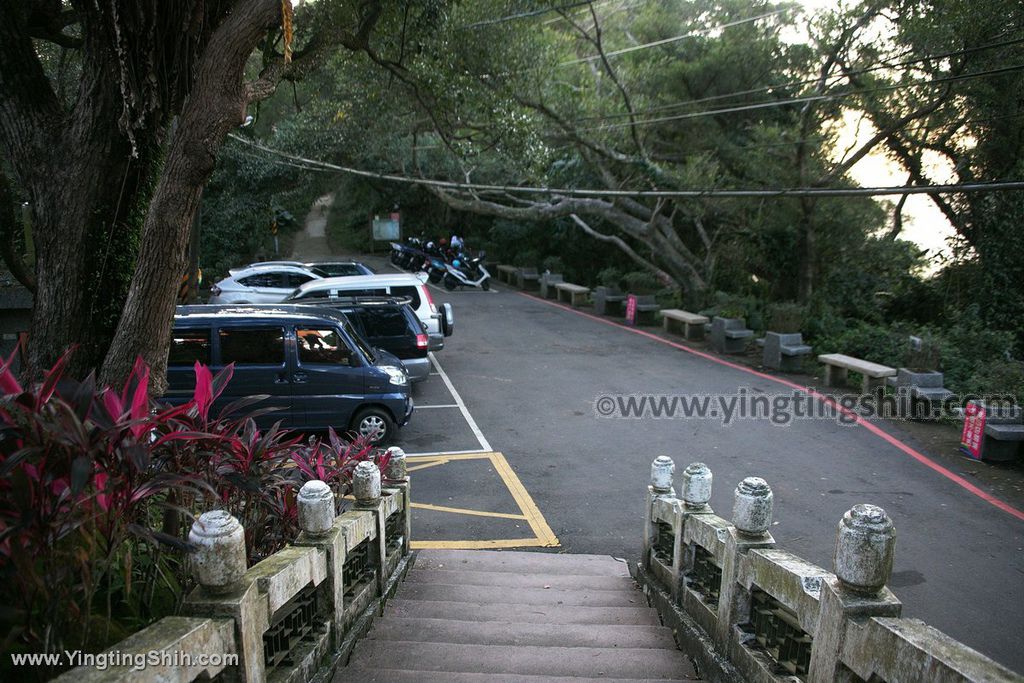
481,615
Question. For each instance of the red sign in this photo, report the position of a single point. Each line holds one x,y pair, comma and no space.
974,430
631,309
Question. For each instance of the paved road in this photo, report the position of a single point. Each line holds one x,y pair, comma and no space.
529,373
521,377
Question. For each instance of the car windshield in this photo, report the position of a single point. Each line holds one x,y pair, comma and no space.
360,342
320,272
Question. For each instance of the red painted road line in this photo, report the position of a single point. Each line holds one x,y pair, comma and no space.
857,419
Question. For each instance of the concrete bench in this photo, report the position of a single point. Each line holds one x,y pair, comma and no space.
527,278
1002,441
837,365
646,308
507,274
547,285
729,335
784,351
574,295
607,300
692,323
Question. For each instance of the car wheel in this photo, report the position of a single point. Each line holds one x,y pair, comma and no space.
374,424
435,276
450,282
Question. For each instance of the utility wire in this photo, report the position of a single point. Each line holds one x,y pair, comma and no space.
801,100
959,188
785,86
673,39
524,15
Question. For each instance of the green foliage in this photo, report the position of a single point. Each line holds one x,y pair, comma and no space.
786,317
641,282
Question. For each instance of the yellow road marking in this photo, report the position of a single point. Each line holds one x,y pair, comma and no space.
544,537
467,511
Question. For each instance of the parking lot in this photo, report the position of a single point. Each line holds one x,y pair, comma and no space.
508,452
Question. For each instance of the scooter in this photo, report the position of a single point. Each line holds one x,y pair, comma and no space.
463,273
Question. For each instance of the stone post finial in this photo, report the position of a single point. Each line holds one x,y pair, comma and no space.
865,546
366,484
397,470
219,560
696,487
662,471
316,507
752,506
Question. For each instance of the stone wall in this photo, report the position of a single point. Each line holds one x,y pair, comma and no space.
746,610
292,617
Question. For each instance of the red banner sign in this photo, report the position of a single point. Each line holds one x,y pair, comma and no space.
631,309
974,430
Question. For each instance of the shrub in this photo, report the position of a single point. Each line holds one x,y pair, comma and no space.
641,282
786,317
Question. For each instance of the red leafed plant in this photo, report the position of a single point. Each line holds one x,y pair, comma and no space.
99,486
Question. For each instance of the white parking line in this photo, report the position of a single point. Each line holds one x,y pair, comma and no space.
445,453
484,445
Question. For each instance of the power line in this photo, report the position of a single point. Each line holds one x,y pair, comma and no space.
785,86
959,188
801,100
525,15
673,39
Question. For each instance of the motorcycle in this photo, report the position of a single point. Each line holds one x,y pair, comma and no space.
467,273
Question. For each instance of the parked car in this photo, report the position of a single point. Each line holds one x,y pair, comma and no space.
326,268
440,322
263,284
314,368
388,323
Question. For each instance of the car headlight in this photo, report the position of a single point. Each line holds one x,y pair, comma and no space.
396,375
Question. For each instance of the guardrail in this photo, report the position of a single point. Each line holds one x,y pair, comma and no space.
745,610
291,617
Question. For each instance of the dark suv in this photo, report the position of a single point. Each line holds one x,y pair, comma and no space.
312,365
388,323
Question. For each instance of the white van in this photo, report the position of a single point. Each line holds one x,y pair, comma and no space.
440,323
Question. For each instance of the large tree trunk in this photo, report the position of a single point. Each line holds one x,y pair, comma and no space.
215,106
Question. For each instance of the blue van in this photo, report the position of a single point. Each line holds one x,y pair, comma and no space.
315,369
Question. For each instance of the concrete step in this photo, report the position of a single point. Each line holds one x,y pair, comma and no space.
357,675
513,613
483,595
458,577
628,663
498,633
521,562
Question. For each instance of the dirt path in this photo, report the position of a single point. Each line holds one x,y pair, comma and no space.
311,243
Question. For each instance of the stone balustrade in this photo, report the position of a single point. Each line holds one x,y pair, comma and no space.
746,610
291,617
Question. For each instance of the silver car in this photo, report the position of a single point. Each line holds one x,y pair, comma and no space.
329,268
261,284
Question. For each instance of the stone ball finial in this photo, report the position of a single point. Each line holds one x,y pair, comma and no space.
865,547
752,506
397,468
219,560
662,471
696,487
366,484
316,507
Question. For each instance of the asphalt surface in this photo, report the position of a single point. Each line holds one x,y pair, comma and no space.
528,374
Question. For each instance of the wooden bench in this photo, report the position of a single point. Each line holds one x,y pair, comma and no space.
527,278
837,365
729,335
574,295
507,274
547,285
693,324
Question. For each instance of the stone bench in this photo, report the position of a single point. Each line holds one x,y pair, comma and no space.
507,274
607,300
784,351
547,285
692,323
527,278
729,335
646,308
837,365
574,295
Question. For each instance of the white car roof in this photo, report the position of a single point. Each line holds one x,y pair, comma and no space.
263,268
357,281
260,264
